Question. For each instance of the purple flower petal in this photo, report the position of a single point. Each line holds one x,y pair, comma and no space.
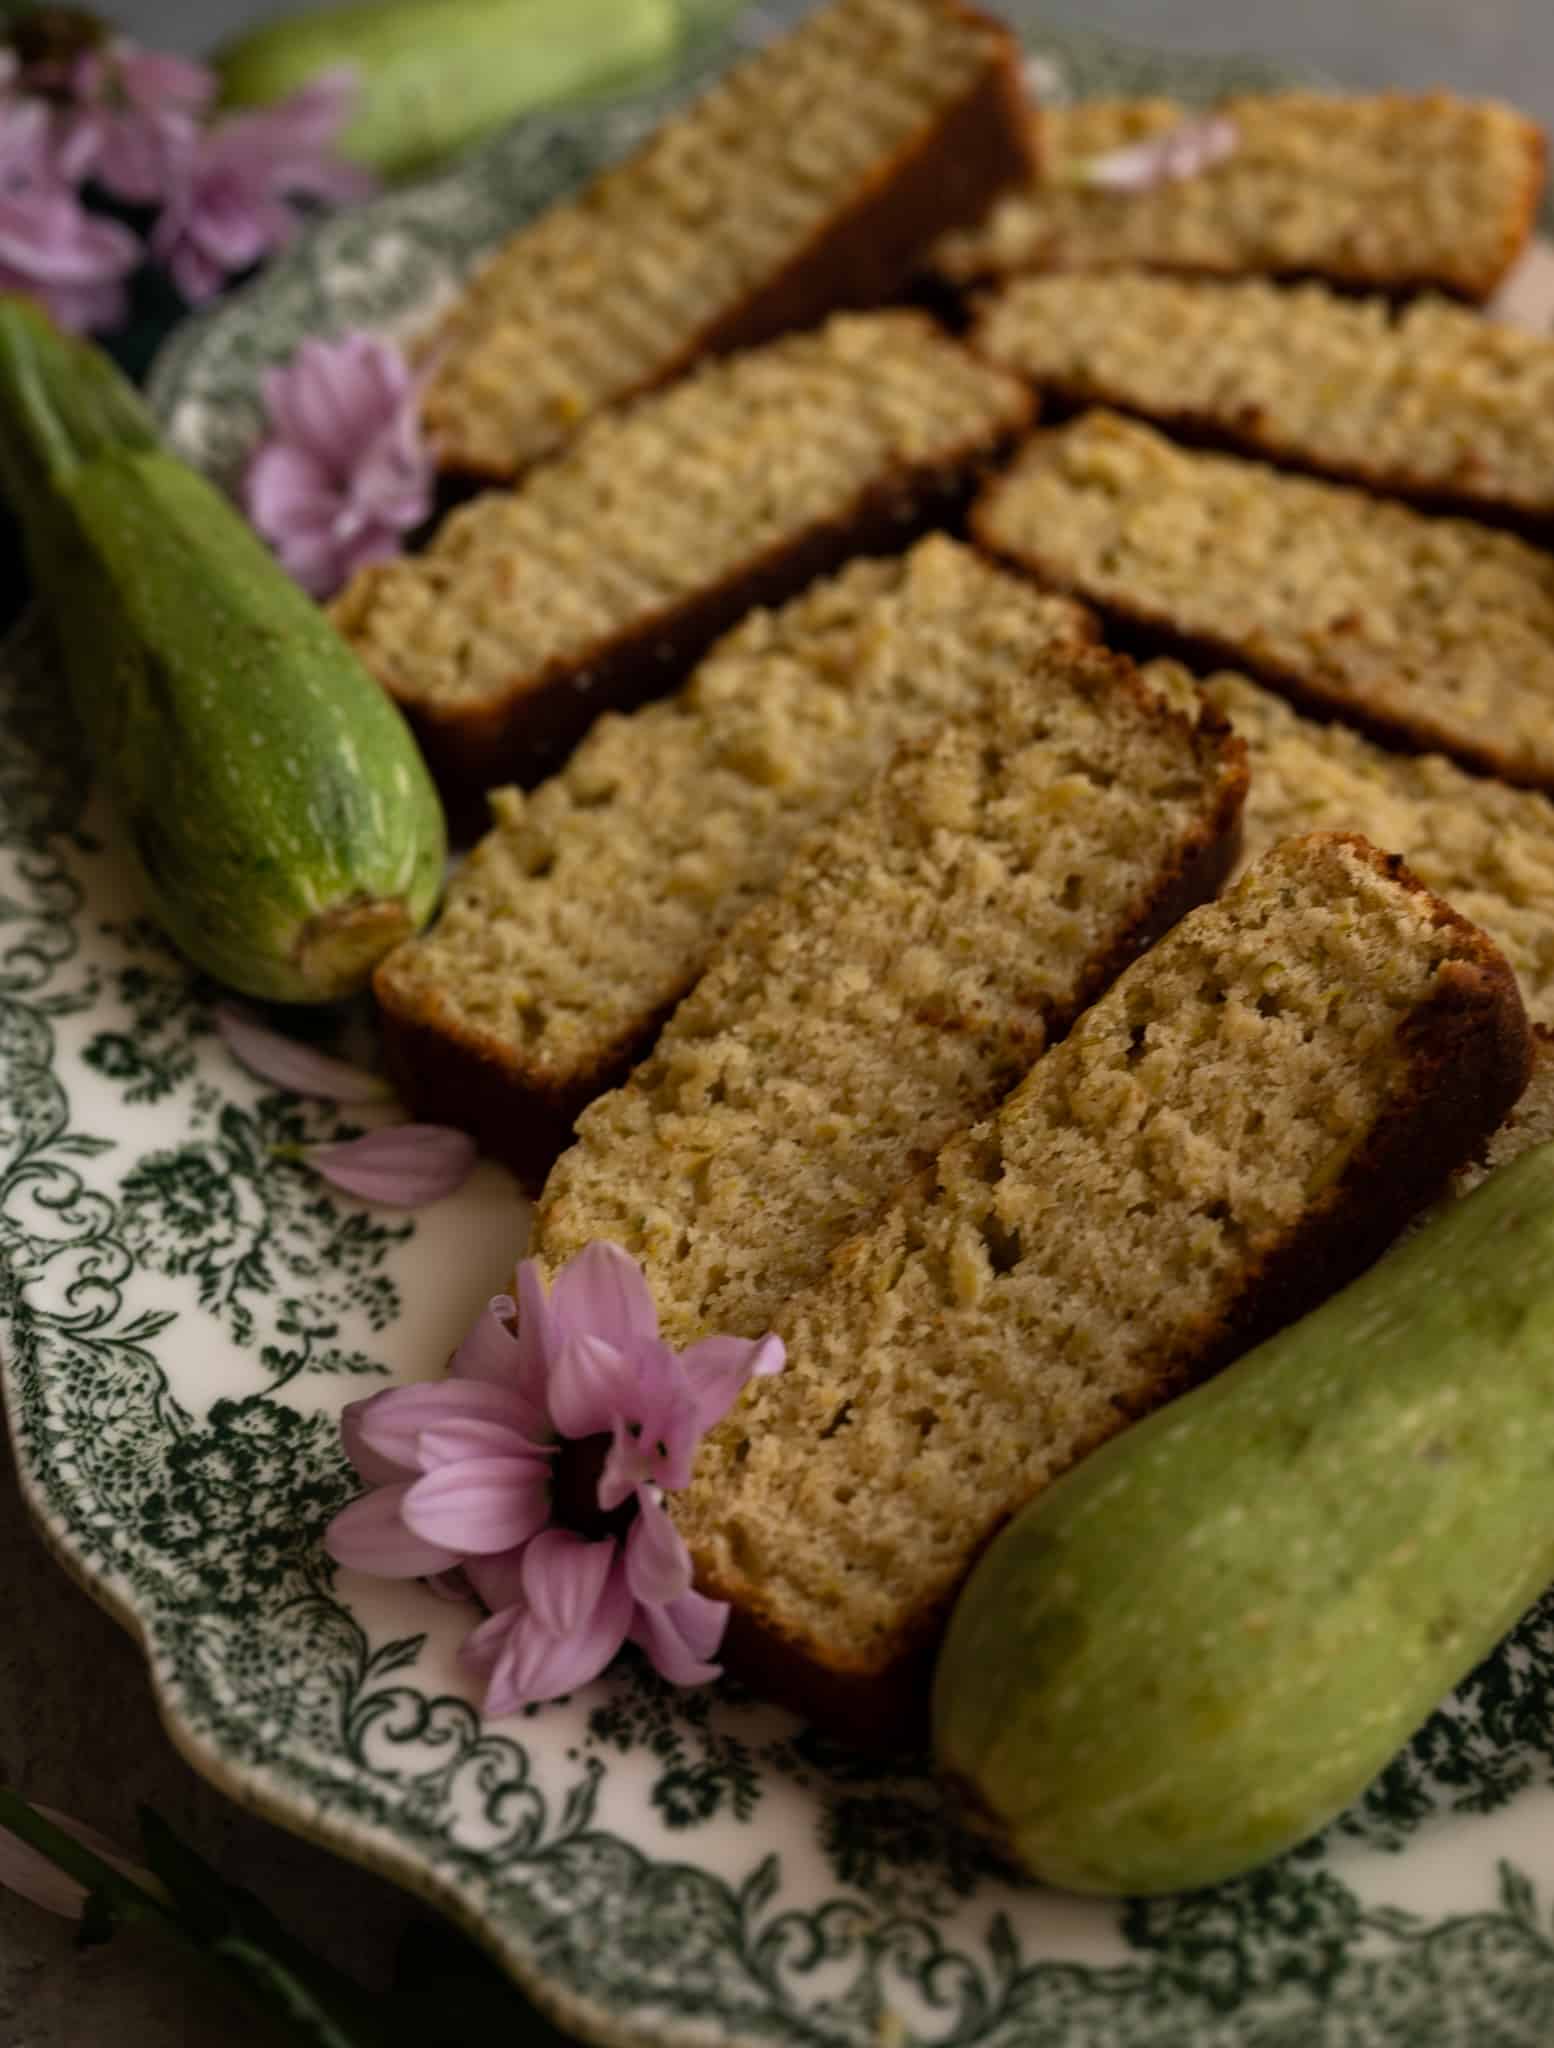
452,1443
478,1505
346,472
719,1368
498,1579
157,82
564,1578
27,1872
602,1291
680,1638
658,1565
389,1425
405,1165
291,1065
1185,151
655,1429
370,1536
538,1339
450,1585
590,1384
371,1466
542,1647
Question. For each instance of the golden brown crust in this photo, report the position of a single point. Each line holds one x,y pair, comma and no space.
1318,687
946,177
523,736
868,250
1304,337
1470,1054
445,1072
1217,226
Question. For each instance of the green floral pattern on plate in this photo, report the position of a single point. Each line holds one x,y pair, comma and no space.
184,1312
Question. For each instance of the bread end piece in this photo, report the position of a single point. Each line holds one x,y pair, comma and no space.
1468,1052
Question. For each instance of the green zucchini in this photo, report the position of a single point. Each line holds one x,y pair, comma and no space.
1204,1641
284,824
435,79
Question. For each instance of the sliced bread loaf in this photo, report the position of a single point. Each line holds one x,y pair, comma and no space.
1429,632
1488,849
608,572
810,177
579,921
917,956
1241,1123
1396,191
1431,402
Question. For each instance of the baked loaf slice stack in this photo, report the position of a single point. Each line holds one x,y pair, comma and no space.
810,177
580,920
1431,402
1398,191
919,953
608,572
1488,849
1429,632
1240,1124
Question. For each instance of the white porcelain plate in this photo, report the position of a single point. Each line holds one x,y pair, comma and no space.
184,1314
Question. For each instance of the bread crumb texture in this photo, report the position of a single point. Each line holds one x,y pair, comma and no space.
596,899
613,290
1391,190
1428,400
1068,1259
1488,849
911,965
667,500
1436,631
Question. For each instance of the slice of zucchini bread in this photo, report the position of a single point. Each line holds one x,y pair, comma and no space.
1396,191
608,572
1487,848
579,921
919,953
1428,632
810,177
1240,1124
1431,401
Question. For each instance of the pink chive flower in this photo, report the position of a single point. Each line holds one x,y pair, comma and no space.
344,473
1185,151
538,1469
231,198
134,119
50,247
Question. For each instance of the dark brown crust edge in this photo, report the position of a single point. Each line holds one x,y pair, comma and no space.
1472,1053
945,177
1143,632
526,735
1533,519
445,1075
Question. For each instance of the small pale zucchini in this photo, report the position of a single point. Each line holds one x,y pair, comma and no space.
284,824
1203,1642
434,79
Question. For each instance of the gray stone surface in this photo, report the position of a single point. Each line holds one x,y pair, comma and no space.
78,1728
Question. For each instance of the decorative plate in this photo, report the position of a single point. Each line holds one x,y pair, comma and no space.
184,1313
